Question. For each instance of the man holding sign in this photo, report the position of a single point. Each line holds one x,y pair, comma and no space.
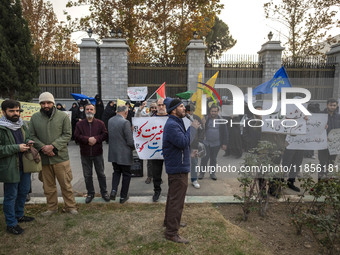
333,122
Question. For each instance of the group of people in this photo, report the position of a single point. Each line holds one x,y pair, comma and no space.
50,131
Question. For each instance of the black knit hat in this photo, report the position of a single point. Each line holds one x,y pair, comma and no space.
171,104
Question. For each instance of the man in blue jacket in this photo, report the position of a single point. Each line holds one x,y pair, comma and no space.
176,152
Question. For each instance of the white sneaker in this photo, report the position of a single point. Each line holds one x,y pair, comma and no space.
196,184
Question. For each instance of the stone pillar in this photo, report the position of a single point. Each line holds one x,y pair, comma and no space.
88,67
271,57
334,56
114,68
195,61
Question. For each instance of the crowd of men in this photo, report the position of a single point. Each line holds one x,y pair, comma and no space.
50,131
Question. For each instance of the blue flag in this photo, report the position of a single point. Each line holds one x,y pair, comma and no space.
280,80
81,96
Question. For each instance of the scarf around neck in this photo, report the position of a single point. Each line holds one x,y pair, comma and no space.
11,125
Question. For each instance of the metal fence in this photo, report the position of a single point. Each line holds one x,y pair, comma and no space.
240,70
60,77
152,71
313,73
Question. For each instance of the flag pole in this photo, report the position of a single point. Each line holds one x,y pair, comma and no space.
154,92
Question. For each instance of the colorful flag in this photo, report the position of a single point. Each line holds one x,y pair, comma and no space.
280,80
161,91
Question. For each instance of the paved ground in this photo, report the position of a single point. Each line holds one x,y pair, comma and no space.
226,184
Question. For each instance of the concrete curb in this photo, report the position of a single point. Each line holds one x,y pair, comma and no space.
148,199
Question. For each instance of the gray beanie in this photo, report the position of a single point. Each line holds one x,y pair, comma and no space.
46,97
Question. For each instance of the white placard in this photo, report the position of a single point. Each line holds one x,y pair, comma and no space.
137,93
315,137
334,141
148,136
293,123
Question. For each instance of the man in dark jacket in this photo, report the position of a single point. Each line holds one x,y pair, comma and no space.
176,152
90,133
13,142
333,122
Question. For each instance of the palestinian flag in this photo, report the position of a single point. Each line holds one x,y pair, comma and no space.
161,91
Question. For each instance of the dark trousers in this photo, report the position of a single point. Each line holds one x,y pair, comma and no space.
157,166
210,156
15,198
325,159
149,166
178,184
293,160
119,170
87,162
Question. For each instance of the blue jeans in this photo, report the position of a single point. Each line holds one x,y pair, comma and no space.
15,198
193,172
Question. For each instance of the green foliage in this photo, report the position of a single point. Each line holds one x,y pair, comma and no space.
18,67
254,185
322,215
219,34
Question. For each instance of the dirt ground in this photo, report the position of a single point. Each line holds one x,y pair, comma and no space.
275,231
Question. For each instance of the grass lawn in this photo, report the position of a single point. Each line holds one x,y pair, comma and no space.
127,229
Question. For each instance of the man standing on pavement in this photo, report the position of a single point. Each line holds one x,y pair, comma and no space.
50,129
120,152
157,164
13,142
333,122
216,138
176,152
90,134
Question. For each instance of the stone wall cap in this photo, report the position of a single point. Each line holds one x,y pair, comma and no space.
117,43
334,49
271,46
88,43
196,44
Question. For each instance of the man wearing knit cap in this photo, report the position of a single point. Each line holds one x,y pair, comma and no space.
51,131
176,152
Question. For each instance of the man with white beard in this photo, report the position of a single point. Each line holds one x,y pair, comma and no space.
90,134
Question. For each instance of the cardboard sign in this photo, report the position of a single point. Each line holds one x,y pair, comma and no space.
137,93
334,141
315,137
148,136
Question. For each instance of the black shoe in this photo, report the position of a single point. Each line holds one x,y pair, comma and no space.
16,230
106,197
89,199
25,219
155,197
123,200
293,187
28,197
113,195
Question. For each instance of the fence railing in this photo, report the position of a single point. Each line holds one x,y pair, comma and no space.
61,77
313,73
